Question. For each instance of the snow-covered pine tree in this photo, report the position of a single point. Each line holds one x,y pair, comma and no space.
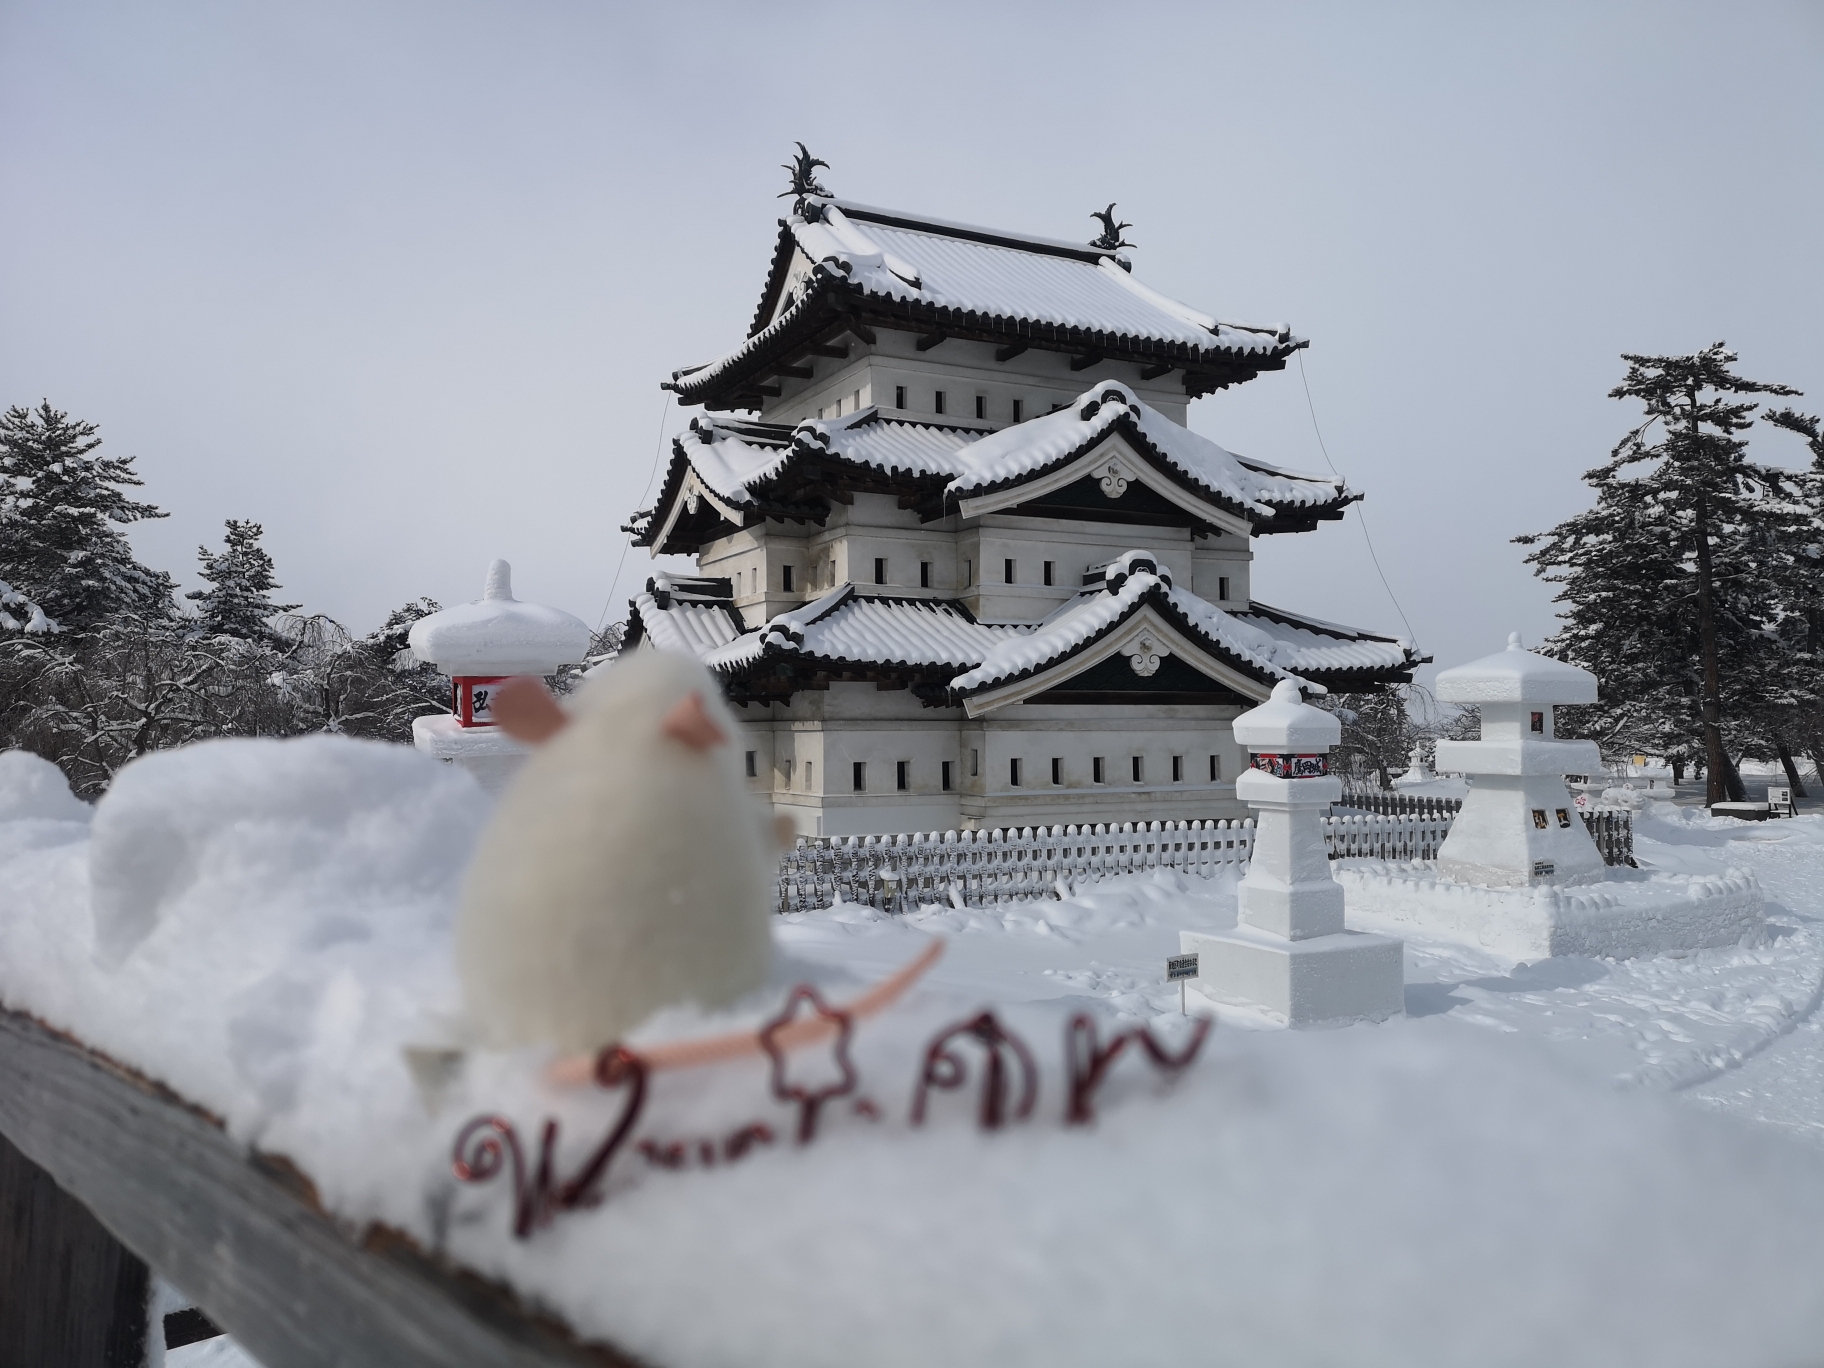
1725,524
61,507
1802,725
238,601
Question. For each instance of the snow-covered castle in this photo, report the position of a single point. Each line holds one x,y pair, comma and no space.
968,567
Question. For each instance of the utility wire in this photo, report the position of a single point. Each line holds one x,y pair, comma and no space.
1360,520
659,451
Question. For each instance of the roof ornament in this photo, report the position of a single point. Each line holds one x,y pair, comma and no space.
1111,239
804,181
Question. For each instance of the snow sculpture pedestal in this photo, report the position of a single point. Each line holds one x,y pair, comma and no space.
1519,826
1289,955
479,645
1518,874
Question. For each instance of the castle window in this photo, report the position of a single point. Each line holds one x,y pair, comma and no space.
785,578
948,776
788,774
1222,588
1007,571
1139,769
1050,570
981,406
968,573
924,574
861,776
1017,406
899,396
1096,772
975,763
880,569
855,402
1057,770
940,401
902,776
1215,769
808,784
1177,769
1013,773
752,765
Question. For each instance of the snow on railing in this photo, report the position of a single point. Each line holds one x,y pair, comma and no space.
1016,864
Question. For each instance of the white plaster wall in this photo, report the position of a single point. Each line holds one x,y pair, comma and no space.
1219,557
833,729
1073,547
1041,380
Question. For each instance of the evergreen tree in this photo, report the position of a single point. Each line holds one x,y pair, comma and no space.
61,507
238,601
1802,724
1674,581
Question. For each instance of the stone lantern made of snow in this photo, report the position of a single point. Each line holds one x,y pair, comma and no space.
1289,955
1519,825
480,645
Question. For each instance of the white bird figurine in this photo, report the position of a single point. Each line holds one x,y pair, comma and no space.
626,869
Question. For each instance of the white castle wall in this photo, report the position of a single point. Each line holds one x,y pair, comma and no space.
831,730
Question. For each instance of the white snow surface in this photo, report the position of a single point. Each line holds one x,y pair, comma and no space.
1501,1177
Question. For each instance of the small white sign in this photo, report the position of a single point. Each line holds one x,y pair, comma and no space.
1180,967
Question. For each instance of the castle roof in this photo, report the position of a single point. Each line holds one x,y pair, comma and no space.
841,267
938,649
725,475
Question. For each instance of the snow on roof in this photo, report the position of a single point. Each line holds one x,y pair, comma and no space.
847,626
694,629
903,257
1325,648
1096,611
956,271
844,625
1025,449
499,635
736,462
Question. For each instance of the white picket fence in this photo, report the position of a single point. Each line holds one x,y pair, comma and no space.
976,868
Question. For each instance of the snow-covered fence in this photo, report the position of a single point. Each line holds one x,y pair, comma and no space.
1012,864
1006,864
1613,831
1374,836
1395,804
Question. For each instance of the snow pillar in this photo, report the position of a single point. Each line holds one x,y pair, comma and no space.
1289,955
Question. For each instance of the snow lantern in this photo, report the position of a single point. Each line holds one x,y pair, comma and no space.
1519,825
481,644
1289,955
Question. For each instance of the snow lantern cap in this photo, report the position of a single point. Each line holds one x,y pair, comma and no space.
499,635
1286,724
1516,675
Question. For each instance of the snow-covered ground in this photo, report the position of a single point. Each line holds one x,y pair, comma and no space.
1573,1162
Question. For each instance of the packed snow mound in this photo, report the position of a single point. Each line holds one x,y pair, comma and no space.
33,789
37,809
279,833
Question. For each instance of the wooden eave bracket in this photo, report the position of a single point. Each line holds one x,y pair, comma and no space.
930,340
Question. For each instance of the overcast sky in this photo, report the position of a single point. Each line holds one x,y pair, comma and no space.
400,281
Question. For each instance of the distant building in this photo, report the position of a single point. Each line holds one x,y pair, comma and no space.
968,567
